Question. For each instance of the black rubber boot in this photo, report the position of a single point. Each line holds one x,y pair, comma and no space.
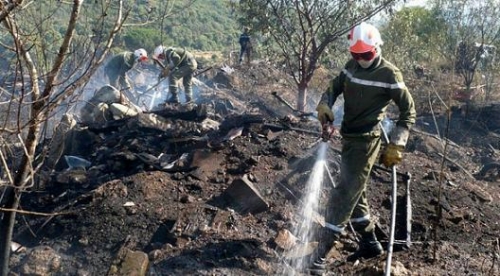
189,98
326,242
369,247
173,99
318,267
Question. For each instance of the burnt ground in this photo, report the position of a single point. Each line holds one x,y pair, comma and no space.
179,214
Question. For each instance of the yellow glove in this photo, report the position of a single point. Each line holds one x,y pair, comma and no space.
325,113
164,73
392,155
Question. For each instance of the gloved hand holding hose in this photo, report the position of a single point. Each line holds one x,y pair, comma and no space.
325,116
164,73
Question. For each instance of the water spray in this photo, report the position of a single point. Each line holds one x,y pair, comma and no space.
308,212
310,201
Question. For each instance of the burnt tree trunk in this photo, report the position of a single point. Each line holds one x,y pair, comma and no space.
302,97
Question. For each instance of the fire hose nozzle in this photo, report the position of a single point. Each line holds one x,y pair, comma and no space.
328,132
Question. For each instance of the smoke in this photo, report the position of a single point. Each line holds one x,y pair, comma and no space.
147,92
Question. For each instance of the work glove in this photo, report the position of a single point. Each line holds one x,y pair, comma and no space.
164,73
392,155
325,114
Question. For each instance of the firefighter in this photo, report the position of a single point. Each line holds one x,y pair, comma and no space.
178,63
369,83
245,46
118,66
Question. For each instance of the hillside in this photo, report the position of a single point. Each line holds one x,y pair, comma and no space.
176,197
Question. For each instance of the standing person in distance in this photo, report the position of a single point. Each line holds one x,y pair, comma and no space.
369,84
245,46
179,64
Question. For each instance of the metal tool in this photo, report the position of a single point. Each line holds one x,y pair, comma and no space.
408,210
406,177
393,210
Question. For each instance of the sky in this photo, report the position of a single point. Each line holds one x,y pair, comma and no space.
416,3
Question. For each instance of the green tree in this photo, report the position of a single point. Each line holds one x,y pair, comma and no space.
300,31
412,36
473,35
141,38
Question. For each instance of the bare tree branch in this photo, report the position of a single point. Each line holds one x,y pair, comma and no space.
8,8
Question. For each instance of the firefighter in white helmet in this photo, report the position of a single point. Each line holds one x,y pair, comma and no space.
117,67
369,83
178,64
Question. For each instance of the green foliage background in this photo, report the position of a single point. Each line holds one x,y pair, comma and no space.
207,25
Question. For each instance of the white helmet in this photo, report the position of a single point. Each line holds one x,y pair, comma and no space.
159,52
141,55
364,38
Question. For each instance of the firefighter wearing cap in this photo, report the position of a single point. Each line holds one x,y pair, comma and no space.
179,64
369,83
118,66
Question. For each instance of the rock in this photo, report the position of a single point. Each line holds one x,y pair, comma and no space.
121,111
114,188
219,221
264,266
199,175
134,263
41,261
205,162
273,135
397,269
187,199
482,194
245,197
285,239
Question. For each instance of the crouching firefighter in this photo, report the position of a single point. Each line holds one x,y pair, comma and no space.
179,63
369,83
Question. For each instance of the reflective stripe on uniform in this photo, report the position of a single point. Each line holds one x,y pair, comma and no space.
398,85
361,219
334,228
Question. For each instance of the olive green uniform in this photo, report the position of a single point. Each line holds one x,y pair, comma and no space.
367,93
182,64
117,68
